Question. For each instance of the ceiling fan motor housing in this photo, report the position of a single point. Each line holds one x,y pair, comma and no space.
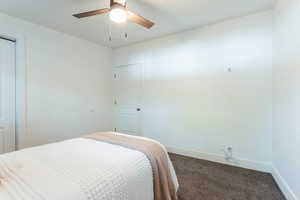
120,2
117,6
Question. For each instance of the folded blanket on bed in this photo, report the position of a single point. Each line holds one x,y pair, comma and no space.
164,187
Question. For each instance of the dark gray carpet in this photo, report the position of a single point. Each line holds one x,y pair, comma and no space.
204,180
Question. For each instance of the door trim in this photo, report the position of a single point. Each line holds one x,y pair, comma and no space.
21,87
140,131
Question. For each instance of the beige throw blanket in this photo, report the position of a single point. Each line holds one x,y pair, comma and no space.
164,188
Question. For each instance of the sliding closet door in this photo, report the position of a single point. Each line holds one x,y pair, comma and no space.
7,96
128,95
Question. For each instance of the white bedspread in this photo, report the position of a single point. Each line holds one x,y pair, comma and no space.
78,169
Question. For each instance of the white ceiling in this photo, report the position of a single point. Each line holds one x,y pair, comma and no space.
170,16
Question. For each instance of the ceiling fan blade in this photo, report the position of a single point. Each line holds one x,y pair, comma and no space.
92,13
139,20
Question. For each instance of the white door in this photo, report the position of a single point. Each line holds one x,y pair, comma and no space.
128,99
7,96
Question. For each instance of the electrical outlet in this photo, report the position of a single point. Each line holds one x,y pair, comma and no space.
229,149
228,153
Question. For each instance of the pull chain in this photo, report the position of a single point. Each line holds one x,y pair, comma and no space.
126,23
109,30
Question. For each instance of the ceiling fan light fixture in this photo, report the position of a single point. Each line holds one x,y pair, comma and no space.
118,14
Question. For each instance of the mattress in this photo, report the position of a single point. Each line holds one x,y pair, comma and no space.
77,169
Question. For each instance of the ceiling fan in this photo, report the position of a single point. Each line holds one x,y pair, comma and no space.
118,12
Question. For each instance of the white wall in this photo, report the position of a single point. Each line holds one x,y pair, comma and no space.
286,142
195,103
68,84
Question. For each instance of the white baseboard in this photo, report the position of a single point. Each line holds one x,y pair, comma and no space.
238,162
244,163
285,188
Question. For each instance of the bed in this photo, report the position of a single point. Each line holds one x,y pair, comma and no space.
80,169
